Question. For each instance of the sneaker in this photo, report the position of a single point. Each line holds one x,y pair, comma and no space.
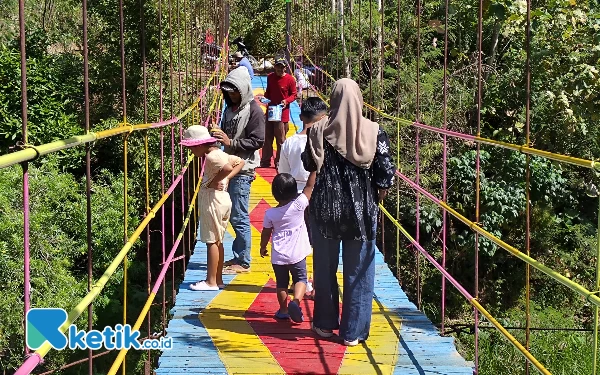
321,332
230,262
351,343
281,316
235,269
309,287
203,286
295,312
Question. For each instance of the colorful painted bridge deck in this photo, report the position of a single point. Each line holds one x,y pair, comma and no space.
233,331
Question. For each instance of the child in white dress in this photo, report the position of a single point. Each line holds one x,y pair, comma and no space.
214,202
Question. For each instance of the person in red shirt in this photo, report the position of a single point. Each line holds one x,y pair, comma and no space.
209,39
281,88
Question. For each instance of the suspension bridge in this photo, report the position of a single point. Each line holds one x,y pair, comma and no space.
232,331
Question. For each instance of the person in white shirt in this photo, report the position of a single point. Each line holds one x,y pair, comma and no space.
302,76
313,110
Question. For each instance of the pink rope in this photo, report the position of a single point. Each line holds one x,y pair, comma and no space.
34,360
26,256
169,260
444,224
417,178
431,259
451,133
29,365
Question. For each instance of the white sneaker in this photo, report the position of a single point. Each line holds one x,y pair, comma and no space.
309,287
351,343
203,286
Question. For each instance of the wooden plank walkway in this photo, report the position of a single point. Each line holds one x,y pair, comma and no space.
233,331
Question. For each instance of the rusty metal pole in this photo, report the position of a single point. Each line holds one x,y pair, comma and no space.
288,27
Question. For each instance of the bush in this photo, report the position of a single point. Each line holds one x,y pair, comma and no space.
58,248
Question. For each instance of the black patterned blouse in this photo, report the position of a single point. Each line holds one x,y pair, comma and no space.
344,200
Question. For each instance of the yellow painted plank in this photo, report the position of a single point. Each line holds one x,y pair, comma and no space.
231,333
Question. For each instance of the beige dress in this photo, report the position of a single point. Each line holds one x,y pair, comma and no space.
215,205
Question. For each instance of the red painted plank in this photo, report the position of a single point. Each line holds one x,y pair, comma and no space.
267,173
297,349
258,214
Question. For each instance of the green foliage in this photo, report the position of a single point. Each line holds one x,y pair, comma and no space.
53,94
58,247
561,352
261,24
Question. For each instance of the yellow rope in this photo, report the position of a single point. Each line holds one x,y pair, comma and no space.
477,305
150,299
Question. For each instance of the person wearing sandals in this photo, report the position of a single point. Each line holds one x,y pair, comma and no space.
350,155
290,246
213,201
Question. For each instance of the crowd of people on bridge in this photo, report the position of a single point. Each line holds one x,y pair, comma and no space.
331,178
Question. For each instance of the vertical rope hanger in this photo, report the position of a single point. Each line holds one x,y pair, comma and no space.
185,103
360,45
417,159
172,145
371,56
382,62
528,186
191,174
125,213
477,176
336,18
147,173
88,174
445,164
398,103
380,78
162,160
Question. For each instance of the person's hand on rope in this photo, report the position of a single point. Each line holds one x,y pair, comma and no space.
222,137
382,193
283,103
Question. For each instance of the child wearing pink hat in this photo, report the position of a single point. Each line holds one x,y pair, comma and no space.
214,202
